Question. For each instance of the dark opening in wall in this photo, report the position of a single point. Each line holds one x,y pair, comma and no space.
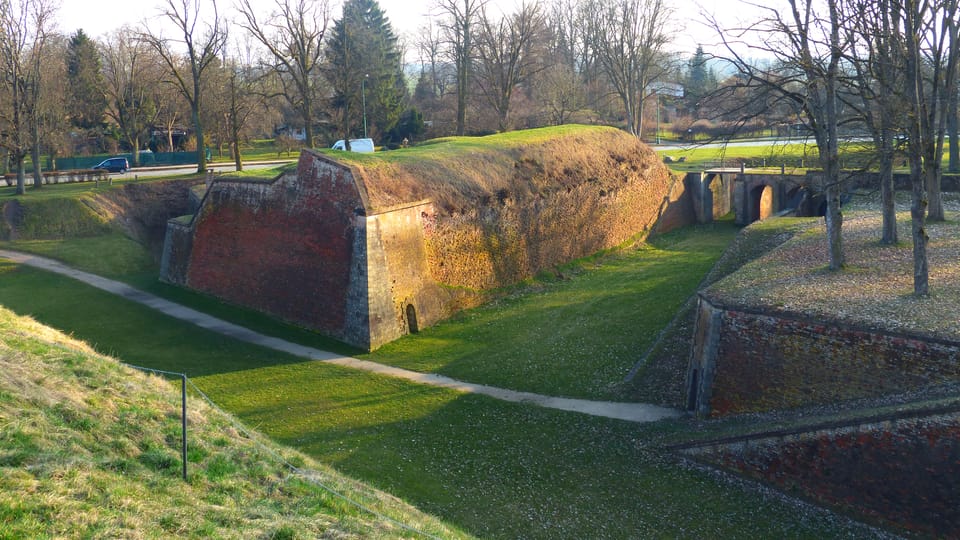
412,319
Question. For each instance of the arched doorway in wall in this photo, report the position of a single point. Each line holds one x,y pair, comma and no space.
762,203
412,325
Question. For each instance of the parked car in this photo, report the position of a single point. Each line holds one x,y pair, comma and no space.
115,164
356,145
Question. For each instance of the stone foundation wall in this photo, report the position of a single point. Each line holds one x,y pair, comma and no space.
895,472
745,361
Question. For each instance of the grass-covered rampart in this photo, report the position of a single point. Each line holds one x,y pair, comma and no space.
89,448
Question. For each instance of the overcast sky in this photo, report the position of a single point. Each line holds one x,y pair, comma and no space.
100,17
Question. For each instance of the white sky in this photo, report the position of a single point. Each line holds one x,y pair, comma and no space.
98,18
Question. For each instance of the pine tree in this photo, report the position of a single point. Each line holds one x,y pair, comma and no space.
701,80
365,70
87,99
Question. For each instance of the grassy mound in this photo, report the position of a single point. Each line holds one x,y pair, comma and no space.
90,448
51,218
517,167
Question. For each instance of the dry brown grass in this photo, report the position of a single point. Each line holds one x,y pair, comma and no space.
463,173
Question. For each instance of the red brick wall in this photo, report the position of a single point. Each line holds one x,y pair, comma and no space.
767,361
284,248
897,472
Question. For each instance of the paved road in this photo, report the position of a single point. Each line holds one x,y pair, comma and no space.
632,412
145,172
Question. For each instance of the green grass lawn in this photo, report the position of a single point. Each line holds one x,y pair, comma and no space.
796,157
576,336
496,469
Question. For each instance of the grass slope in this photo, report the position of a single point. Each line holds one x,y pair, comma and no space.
89,448
496,469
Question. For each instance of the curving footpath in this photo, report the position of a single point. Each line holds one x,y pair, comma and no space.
632,412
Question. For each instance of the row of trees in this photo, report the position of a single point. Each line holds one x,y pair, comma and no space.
889,67
333,75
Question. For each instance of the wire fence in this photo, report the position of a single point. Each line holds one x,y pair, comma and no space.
256,438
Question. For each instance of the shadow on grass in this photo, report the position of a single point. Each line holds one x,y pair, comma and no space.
502,470
577,336
118,327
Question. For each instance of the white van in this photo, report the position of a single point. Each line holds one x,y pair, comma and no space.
356,145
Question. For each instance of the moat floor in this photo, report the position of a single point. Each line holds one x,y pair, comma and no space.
632,412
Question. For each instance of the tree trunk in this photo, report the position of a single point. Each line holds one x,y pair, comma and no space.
834,220
21,177
136,151
931,173
888,194
35,155
918,213
235,143
954,143
307,123
201,151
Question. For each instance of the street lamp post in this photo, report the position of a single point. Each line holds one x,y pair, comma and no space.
363,99
658,117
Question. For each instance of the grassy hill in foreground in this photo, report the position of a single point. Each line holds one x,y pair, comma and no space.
90,448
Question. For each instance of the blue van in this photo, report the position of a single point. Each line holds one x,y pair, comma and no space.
116,164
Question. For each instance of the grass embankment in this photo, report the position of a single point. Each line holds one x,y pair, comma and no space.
461,174
89,448
493,468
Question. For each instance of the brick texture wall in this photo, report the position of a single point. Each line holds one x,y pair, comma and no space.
282,247
895,472
753,361
311,248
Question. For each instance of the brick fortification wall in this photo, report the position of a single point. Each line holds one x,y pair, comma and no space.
745,361
896,471
503,213
282,247
369,251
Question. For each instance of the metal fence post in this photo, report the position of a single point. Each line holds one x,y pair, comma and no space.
183,418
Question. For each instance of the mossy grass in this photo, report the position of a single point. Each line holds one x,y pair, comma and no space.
492,468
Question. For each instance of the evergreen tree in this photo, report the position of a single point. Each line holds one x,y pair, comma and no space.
365,69
701,80
86,97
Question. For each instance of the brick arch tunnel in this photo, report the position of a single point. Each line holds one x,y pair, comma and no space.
759,196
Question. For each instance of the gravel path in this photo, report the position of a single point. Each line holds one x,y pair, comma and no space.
632,412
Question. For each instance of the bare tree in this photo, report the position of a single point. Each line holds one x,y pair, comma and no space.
242,95
430,49
808,47
459,18
508,55
24,31
128,79
875,31
931,68
293,36
629,37
202,52
561,93
930,58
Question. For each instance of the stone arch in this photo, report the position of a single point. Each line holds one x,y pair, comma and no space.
763,203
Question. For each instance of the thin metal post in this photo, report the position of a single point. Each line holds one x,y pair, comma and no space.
183,418
363,98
